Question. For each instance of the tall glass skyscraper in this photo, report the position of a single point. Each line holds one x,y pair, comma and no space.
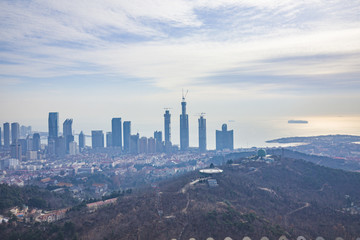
67,133
202,134
6,135
36,143
116,132
15,132
97,139
81,140
127,134
53,125
184,127
167,128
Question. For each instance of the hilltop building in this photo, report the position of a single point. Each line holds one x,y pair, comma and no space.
224,138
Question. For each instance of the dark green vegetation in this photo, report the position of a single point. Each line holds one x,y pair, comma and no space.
254,199
34,197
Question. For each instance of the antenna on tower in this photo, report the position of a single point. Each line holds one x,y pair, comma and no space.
184,95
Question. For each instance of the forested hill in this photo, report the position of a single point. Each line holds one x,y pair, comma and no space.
32,196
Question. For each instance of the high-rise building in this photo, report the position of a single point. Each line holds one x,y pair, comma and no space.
53,125
29,143
109,139
6,135
97,139
81,140
60,146
67,133
15,150
127,134
36,142
24,145
116,133
224,138
73,148
25,131
184,127
167,130
51,146
15,132
158,141
151,145
202,134
0,139
143,145
134,144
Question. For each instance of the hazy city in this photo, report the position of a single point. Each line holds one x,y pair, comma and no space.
179,120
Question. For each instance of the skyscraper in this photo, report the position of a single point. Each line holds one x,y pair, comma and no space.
116,132
0,139
151,147
127,134
109,139
36,142
143,145
67,133
97,139
6,135
224,138
202,134
15,150
167,128
81,140
53,125
134,144
60,146
15,132
184,127
158,141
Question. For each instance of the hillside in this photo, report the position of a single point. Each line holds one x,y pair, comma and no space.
255,199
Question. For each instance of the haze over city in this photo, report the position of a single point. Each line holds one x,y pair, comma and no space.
250,64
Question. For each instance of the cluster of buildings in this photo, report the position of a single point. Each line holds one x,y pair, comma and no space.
27,145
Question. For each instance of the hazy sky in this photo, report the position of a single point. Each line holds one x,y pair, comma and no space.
240,60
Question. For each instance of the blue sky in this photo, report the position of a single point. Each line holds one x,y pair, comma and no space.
93,60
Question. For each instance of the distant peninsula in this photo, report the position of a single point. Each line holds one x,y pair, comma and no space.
315,139
298,122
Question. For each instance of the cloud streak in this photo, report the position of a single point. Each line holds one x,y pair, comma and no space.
177,43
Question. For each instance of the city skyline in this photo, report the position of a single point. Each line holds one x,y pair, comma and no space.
244,62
